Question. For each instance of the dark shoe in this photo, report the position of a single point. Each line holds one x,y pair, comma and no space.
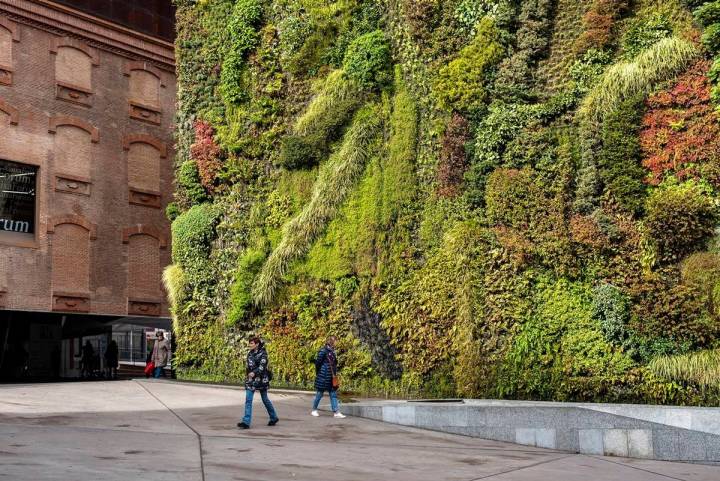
273,422
242,425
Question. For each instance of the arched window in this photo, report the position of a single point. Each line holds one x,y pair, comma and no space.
144,92
74,62
74,147
144,154
8,35
144,269
71,262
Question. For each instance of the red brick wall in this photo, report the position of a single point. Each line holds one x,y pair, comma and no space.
144,267
71,259
104,169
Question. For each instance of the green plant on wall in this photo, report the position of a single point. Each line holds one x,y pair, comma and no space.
334,104
367,60
462,84
661,61
701,368
243,37
680,217
335,180
488,199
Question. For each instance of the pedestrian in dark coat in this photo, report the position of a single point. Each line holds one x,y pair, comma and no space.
86,363
111,359
325,370
258,376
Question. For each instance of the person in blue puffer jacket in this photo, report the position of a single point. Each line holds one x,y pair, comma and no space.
325,369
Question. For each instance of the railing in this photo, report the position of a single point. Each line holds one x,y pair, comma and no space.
132,355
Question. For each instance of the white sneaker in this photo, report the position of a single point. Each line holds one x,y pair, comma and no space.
339,415
315,413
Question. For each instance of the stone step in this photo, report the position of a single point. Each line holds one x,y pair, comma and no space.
667,433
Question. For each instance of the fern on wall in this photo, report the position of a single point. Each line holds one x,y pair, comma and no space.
335,181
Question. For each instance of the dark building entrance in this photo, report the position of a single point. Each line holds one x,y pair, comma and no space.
45,345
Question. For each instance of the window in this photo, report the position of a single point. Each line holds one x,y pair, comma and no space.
74,62
144,157
8,34
17,197
144,92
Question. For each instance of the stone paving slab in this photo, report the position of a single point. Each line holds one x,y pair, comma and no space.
65,453
148,430
115,405
328,460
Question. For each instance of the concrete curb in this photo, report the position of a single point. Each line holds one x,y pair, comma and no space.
668,433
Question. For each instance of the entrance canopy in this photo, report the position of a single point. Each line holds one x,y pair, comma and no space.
78,325
156,322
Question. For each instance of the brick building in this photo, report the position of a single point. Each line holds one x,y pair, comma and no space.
87,92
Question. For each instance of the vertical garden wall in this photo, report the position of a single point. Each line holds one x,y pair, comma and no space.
487,198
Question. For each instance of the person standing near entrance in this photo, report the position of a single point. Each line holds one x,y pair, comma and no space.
160,354
258,379
326,378
111,359
86,368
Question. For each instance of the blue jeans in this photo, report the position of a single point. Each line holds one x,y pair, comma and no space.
266,401
158,370
334,403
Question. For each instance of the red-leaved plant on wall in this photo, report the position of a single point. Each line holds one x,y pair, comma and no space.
453,162
207,154
598,24
681,130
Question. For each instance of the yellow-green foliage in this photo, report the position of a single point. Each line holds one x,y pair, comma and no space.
507,297
337,177
334,104
701,368
367,60
349,243
200,44
398,166
680,218
297,186
513,198
680,17
243,37
399,191
188,183
560,352
192,232
622,81
422,314
462,84
175,283
568,20
308,32
209,349
335,101
360,231
240,293
297,330
701,271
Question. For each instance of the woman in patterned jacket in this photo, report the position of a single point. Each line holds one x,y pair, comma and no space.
258,379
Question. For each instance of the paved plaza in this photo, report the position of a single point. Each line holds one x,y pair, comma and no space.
160,430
